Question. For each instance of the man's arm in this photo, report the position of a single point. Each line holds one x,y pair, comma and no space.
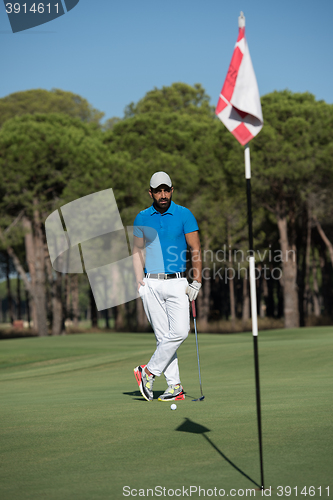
193,241
138,260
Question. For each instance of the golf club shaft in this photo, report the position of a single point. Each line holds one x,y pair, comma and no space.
196,340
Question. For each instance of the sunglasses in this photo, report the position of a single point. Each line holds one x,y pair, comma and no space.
155,191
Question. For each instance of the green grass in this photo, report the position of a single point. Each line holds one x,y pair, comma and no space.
73,425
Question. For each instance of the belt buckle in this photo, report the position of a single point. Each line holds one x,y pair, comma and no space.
161,276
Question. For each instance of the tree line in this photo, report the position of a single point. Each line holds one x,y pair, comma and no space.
54,149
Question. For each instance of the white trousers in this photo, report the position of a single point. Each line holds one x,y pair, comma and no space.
167,308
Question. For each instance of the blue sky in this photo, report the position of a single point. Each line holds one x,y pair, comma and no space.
112,53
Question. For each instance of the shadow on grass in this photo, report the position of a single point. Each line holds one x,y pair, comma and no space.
136,395
157,394
194,428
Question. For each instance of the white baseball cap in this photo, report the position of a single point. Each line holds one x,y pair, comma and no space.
160,178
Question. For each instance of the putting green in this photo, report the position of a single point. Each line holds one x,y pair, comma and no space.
74,426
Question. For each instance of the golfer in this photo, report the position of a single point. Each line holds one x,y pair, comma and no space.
161,235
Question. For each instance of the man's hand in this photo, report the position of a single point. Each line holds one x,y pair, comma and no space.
141,283
193,289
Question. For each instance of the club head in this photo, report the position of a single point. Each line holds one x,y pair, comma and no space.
199,399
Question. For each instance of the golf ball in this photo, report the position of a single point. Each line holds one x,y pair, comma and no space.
173,407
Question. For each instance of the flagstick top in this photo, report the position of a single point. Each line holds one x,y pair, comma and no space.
241,20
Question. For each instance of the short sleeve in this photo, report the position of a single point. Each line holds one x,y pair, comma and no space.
137,231
190,223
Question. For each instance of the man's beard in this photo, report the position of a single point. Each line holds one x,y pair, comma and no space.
163,206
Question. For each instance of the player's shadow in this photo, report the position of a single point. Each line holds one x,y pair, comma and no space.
137,396
194,428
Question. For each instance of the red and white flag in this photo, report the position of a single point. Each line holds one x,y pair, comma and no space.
239,105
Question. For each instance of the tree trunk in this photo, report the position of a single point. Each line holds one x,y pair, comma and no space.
40,289
270,303
263,306
205,298
106,315
280,297
231,273
19,269
120,318
19,301
30,257
301,271
88,311
316,302
246,299
75,299
93,310
27,302
269,298
65,301
306,296
325,239
326,270
289,268
57,307
55,283
68,296
9,292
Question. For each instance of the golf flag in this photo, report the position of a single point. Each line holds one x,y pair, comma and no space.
239,107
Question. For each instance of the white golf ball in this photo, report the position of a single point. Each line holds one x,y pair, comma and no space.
173,407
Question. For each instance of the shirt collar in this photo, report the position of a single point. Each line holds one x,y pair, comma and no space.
171,209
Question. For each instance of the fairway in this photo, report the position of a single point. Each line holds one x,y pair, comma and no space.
74,425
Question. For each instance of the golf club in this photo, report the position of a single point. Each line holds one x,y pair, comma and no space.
194,314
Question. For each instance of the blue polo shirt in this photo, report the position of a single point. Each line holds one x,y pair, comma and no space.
164,236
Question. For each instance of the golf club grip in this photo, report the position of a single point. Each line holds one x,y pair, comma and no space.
194,313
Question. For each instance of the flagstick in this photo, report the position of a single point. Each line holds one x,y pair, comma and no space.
253,295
